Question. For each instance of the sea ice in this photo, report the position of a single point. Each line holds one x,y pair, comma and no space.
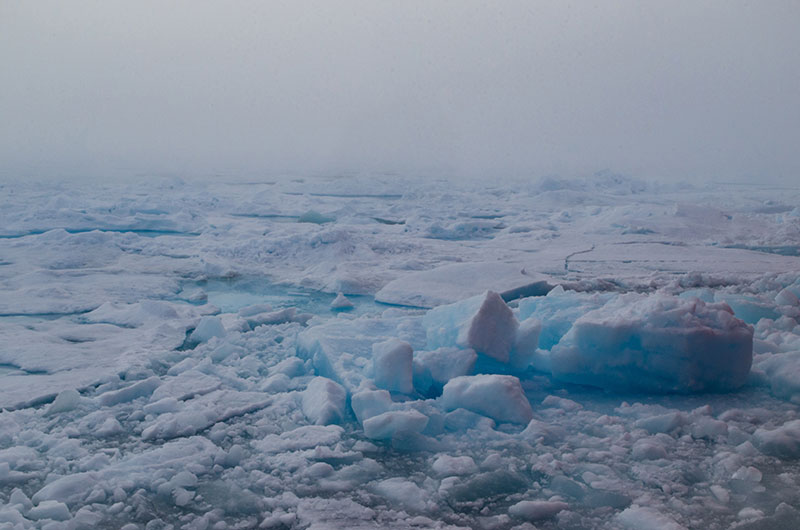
483,323
392,366
324,401
433,369
341,302
558,311
656,343
388,424
499,397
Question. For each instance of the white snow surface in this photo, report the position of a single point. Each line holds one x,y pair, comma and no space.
562,353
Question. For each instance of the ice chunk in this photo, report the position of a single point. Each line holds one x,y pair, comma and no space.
783,373
341,302
656,343
324,401
648,449
69,489
454,282
536,510
314,217
306,437
499,397
385,426
208,327
432,369
392,365
57,511
783,442
448,466
787,297
484,323
203,412
65,401
404,493
369,403
342,349
525,343
483,485
751,309
558,311
134,391
664,423
639,518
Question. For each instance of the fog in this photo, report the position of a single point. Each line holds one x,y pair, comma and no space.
668,90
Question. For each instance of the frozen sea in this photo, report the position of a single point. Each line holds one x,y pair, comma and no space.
386,352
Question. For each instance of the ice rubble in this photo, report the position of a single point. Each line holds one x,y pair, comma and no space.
277,420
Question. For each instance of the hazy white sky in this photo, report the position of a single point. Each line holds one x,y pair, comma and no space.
677,89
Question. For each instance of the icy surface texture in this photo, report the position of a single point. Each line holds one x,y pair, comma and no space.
656,343
112,416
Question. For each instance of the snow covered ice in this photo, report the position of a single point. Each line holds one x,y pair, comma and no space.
347,353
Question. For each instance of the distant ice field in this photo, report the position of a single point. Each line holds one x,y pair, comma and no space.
380,352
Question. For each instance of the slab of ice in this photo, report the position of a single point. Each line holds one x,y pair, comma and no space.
136,390
448,466
208,327
499,397
536,510
751,309
783,373
656,343
203,412
369,403
783,441
306,437
324,401
526,343
433,369
392,365
483,323
387,425
641,518
451,283
558,311
341,302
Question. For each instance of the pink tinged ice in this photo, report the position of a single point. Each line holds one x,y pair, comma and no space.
483,323
656,343
499,397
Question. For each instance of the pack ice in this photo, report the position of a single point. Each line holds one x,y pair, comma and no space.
219,356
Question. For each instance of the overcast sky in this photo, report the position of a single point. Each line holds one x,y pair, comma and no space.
652,89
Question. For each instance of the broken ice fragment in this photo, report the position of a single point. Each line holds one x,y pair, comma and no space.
341,302
392,365
484,323
324,401
499,397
